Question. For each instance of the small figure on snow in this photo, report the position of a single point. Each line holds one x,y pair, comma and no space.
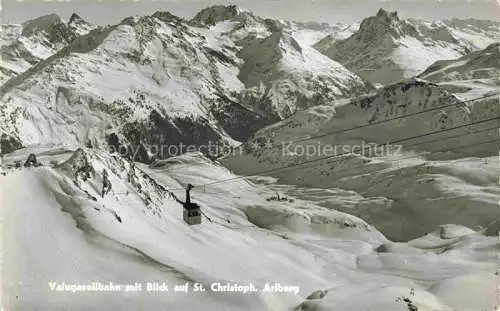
83,172
106,184
2,168
131,173
31,161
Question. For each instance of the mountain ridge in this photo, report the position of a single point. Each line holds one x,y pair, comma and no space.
186,73
387,49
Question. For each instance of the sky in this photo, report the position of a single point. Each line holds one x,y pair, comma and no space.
331,11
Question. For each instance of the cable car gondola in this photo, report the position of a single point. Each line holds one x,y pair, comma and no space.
192,211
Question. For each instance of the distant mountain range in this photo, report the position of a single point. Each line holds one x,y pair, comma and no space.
219,77
387,49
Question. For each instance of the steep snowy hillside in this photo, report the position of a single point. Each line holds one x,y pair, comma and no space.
387,49
474,34
424,159
307,33
62,236
483,64
280,73
283,71
25,45
310,33
160,80
471,76
123,82
215,14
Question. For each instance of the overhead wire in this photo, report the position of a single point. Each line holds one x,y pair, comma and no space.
273,170
233,226
404,158
455,104
300,166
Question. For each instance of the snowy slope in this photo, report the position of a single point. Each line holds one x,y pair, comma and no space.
59,231
281,73
482,64
387,49
471,76
309,33
429,155
25,45
474,34
114,83
284,71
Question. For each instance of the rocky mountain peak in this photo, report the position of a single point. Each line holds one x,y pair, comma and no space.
216,14
385,15
385,23
40,23
75,18
78,25
167,17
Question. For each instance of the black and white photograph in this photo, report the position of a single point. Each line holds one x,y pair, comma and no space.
250,155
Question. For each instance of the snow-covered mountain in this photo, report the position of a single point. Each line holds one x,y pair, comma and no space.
482,64
387,49
426,149
162,80
283,71
23,46
312,221
310,33
280,73
474,34
471,76
307,33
